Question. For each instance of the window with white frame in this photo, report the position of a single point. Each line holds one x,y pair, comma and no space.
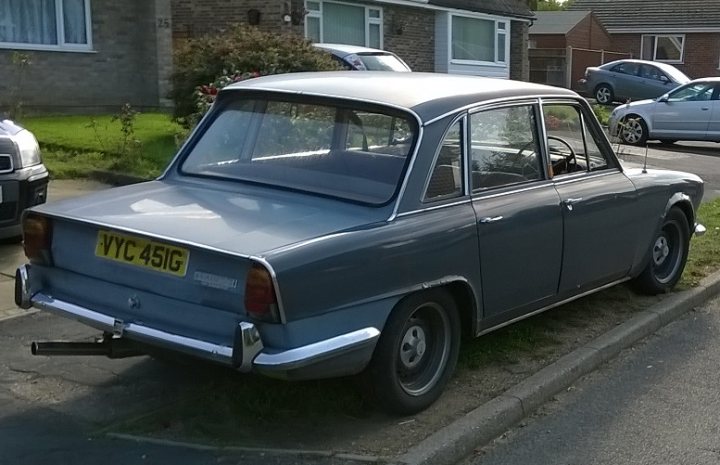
478,39
663,47
45,24
345,23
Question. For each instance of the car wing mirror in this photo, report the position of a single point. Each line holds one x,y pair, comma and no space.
664,80
663,99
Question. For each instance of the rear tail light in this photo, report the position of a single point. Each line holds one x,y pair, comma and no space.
260,297
37,238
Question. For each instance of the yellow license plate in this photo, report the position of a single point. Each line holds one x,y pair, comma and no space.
142,252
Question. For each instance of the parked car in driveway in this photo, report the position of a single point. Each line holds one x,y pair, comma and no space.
23,177
341,223
353,57
623,80
689,112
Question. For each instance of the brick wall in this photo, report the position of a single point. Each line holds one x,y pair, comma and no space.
702,52
193,18
410,33
121,68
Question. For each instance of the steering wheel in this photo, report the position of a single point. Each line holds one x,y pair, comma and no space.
532,168
569,162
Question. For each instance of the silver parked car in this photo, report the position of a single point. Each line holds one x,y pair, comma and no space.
23,177
342,223
621,80
353,57
689,112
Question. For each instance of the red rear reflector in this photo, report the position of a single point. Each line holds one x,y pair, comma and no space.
260,299
37,237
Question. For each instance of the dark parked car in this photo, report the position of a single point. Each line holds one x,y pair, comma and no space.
329,224
23,177
621,80
353,57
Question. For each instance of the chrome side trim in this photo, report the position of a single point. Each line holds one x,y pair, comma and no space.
409,170
699,230
316,352
551,306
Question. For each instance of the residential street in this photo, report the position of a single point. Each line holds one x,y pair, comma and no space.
657,403
634,411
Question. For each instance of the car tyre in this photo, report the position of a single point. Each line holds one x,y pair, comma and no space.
668,255
416,353
604,94
633,130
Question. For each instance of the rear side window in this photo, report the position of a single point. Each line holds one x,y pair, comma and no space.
447,174
626,68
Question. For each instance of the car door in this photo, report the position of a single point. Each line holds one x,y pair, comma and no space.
519,221
626,81
713,132
597,199
654,82
685,113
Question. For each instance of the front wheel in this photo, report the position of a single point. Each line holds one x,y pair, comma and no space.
633,130
668,254
416,353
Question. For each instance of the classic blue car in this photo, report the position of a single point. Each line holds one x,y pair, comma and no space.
328,224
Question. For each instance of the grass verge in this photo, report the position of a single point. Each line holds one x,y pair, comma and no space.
74,146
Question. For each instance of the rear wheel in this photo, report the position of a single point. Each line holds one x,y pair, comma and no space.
633,130
604,94
668,254
416,353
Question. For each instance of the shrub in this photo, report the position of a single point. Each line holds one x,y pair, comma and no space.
241,51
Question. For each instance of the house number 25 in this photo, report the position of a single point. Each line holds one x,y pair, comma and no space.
163,23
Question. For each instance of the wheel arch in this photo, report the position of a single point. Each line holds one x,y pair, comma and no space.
462,293
684,203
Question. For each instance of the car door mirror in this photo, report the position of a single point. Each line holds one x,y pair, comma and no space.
664,80
663,99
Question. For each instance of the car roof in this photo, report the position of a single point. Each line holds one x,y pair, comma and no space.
429,95
346,49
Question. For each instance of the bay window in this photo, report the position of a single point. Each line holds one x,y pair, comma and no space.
667,48
45,24
337,22
478,40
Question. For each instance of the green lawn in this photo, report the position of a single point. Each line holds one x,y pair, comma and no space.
74,146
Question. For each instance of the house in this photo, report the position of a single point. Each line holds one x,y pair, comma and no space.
95,55
685,34
564,43
486,37
561,29
85,55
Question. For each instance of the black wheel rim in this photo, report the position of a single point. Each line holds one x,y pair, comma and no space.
424,349
667,252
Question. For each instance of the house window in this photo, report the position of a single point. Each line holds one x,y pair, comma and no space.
344,23
478,40
45,24
667,48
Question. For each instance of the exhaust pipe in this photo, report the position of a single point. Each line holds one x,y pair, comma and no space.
109,347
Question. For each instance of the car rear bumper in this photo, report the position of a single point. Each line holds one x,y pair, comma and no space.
336,356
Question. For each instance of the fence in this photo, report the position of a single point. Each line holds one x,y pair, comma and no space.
563,67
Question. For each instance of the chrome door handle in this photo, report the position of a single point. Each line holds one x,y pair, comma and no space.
705,108
491,219
570,202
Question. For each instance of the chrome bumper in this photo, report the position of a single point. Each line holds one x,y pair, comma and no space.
247,353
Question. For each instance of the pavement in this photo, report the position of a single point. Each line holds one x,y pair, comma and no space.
446,446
